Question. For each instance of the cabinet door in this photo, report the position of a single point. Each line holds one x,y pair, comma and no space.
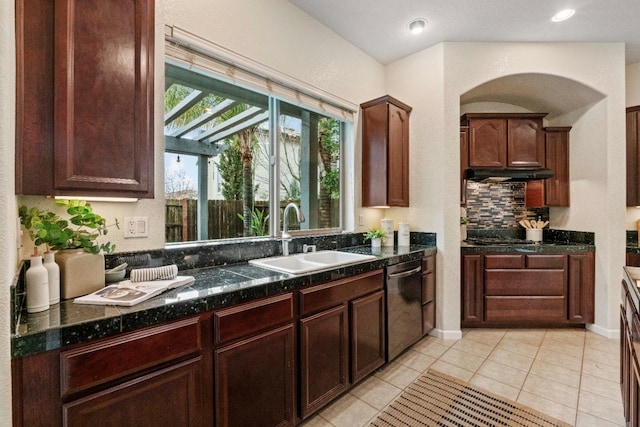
367,335
472,289
557,159
385,152
633,156
255,380
104,108
84,98
398,174
488,143
323,358
464,162
169,397
581,287
525,143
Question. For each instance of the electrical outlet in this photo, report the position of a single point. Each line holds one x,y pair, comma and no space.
136,226
361,220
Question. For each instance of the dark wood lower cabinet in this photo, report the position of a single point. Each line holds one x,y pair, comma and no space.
323,358
428,294
516,289
342,337
629,365
158,376
169,397
255,380
267,362
367,334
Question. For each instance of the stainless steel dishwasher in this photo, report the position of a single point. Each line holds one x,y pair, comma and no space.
404,306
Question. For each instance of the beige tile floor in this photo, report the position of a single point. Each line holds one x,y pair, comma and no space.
570,374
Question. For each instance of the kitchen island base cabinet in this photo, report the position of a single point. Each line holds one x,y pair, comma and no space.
341,337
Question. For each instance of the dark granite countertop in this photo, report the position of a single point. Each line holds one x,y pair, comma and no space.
215,287
554,241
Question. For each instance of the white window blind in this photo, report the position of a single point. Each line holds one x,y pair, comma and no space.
189,50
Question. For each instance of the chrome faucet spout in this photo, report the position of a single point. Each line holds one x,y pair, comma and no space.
286,237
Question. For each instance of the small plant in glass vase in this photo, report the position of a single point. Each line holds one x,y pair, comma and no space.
79,254
376,235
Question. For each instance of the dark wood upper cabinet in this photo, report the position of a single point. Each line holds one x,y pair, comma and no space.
385,152
556,189
633,156
464,162
85,97
500,140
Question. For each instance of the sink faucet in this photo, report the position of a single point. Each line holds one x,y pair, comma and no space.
286,237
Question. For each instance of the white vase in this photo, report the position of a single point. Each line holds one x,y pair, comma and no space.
54,277
463,232
376,242
80,272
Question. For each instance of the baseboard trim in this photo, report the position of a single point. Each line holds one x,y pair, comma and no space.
447,335
607,333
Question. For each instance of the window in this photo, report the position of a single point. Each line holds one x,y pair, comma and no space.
235,157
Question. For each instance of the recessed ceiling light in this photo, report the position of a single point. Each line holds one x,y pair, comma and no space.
417,25
563,15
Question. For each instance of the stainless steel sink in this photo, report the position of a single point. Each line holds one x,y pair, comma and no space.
311,261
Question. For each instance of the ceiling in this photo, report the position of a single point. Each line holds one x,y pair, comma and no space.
379,27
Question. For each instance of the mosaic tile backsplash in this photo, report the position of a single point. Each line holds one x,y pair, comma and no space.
499,205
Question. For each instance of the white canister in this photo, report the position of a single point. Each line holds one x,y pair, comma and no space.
403,234
37,279
387,228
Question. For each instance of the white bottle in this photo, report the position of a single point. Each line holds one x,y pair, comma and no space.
54,277
403,234
37,278
387,228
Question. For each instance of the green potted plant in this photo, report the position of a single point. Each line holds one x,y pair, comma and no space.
79,254
376,235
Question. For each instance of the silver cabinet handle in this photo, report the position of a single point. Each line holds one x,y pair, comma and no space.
404,273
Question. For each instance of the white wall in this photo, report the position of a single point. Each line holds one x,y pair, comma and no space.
7,199
598,194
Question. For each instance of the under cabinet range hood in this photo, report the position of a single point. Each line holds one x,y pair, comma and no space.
511,175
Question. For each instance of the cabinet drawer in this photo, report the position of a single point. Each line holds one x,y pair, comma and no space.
253,317
524,282
118,357
551,262
525,309
503,261
340,291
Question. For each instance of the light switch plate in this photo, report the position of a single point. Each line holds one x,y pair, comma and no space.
136,226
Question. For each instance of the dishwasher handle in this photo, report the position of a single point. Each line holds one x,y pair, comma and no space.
402,274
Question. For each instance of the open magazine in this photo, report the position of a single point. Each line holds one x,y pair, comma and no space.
131,293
